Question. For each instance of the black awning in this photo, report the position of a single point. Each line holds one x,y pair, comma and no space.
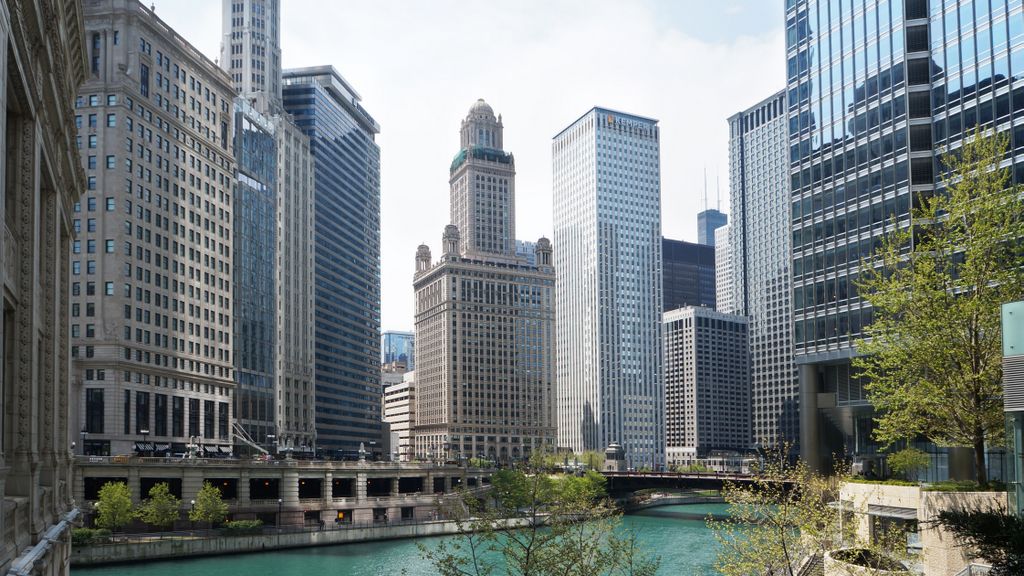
144,447
224,449
163,447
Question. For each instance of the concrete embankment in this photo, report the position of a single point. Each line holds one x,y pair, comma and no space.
141,550
671,501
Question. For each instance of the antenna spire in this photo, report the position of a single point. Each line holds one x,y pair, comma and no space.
705,188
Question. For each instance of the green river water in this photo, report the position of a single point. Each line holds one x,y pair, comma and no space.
676,534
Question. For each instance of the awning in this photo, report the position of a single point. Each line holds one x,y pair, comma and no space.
163,447
205,450
224,449
892,512
144,447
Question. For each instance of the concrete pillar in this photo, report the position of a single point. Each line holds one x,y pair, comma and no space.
134,485
289,489
244,496
325,489
394,486
810,440
360,487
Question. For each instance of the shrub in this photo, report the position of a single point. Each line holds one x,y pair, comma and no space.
87,536
242,527
964,486
909,462
868,559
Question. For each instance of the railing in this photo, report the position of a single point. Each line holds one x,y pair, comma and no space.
974,569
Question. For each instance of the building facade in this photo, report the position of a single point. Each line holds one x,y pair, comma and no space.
688,274
250,50
151,266
707,384
251,54
725,292
607,218
255,261
400,414
708,221
398,346
867,122
346,162
43,59
484,317
761,244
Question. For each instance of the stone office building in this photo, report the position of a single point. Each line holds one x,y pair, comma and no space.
151,264
42,62
484,317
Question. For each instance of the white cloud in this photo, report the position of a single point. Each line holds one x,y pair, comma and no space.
420,65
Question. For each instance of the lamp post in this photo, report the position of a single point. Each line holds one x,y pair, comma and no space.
272,441
145,433
96,509
191,522
279,502
83,433
373,452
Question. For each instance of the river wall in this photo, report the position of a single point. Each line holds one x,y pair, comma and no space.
189,547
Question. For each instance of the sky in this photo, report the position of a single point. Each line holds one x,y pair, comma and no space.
541,64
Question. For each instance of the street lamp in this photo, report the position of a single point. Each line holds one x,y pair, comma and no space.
373,452
272,441
279,502
144,432
191,522
84,433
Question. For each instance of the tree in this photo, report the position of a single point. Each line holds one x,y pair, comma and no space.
114,506
162,508
932,354
908,462
210,507
778,518
995,535
533,524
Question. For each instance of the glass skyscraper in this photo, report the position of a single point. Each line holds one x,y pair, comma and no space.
876,90
255,305
347,261
396,346
607,221
707,222
688,274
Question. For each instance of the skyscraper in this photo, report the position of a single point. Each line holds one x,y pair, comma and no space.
688,274
251,54
484,316
707,222
707,384
347,254
725,292
255,294
398,346
607,217
47,55
151,287
760,244
867,120
251,48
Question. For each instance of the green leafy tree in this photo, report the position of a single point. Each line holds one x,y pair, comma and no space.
162,508
114,506
932,355
908,462
535,524
210,507
781,516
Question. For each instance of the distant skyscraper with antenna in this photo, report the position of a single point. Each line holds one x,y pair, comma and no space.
709,219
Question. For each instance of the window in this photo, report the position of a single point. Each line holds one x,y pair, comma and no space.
108,288
127,411
111,120
94,410
92,141
208,416
110,203
90,163
177,416
144,79
160,417
193,416
141,412
111,162
108,246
